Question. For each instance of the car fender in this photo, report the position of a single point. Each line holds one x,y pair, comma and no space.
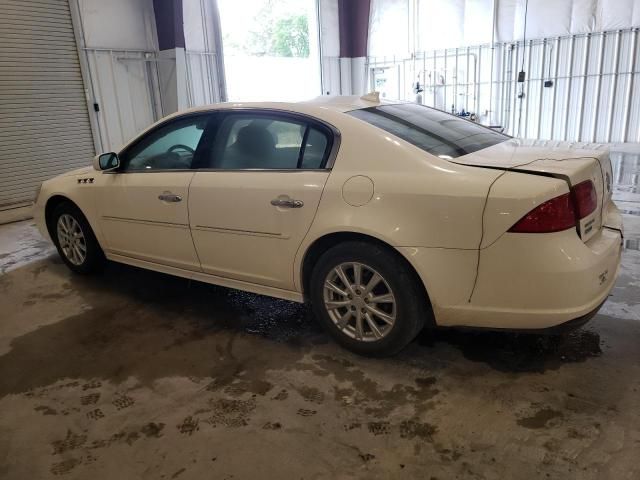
78,187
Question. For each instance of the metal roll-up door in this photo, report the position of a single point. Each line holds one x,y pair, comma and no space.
44,120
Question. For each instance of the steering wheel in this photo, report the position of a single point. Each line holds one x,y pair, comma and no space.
181,147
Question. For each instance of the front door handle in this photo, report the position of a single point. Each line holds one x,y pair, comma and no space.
286,202
169,197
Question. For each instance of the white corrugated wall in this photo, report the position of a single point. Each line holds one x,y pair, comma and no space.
203,52
594,96
118,43
589,50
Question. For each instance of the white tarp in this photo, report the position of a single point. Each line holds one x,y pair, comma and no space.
396,25
389,27
453,23
550,18
618,14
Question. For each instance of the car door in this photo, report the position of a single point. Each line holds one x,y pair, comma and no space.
143,206
254,201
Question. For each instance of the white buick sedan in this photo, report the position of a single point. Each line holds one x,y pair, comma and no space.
387,217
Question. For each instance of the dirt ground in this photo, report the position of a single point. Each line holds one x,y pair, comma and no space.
134,374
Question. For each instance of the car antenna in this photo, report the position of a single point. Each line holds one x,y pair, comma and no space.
371,97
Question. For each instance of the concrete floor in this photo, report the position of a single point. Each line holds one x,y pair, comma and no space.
134,374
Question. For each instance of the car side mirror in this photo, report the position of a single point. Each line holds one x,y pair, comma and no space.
106,162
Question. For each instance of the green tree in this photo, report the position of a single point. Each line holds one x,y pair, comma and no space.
278,34
290,37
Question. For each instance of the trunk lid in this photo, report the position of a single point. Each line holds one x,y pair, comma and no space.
571,162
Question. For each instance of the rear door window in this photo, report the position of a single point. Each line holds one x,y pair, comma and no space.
263,141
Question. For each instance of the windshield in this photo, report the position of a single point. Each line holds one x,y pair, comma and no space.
439,133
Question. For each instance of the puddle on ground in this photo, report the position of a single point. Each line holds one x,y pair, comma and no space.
150,325
540,419
512,352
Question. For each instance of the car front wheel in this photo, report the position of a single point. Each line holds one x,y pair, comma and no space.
367,298
75,240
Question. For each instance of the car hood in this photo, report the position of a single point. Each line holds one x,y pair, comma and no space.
78,171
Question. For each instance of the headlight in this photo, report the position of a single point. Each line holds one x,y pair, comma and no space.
37,193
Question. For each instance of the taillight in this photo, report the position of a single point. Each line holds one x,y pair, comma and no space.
551,216
585,198
560,213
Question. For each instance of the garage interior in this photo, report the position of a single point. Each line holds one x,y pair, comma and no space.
136,374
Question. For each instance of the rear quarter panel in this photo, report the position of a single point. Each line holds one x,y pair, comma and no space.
416,200
512,196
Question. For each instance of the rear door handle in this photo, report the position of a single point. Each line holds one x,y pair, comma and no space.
169,197
286,202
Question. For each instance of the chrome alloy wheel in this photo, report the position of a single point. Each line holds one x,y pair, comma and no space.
71,239
359,301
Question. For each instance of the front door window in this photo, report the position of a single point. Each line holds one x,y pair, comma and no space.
170,147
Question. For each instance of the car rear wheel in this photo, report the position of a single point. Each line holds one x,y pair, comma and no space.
367,298
75,240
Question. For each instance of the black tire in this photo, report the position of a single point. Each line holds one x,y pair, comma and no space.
94,259
412,308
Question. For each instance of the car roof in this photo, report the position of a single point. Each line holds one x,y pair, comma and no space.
320,108
338,103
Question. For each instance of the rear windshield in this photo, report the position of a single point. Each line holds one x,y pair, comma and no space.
436,132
